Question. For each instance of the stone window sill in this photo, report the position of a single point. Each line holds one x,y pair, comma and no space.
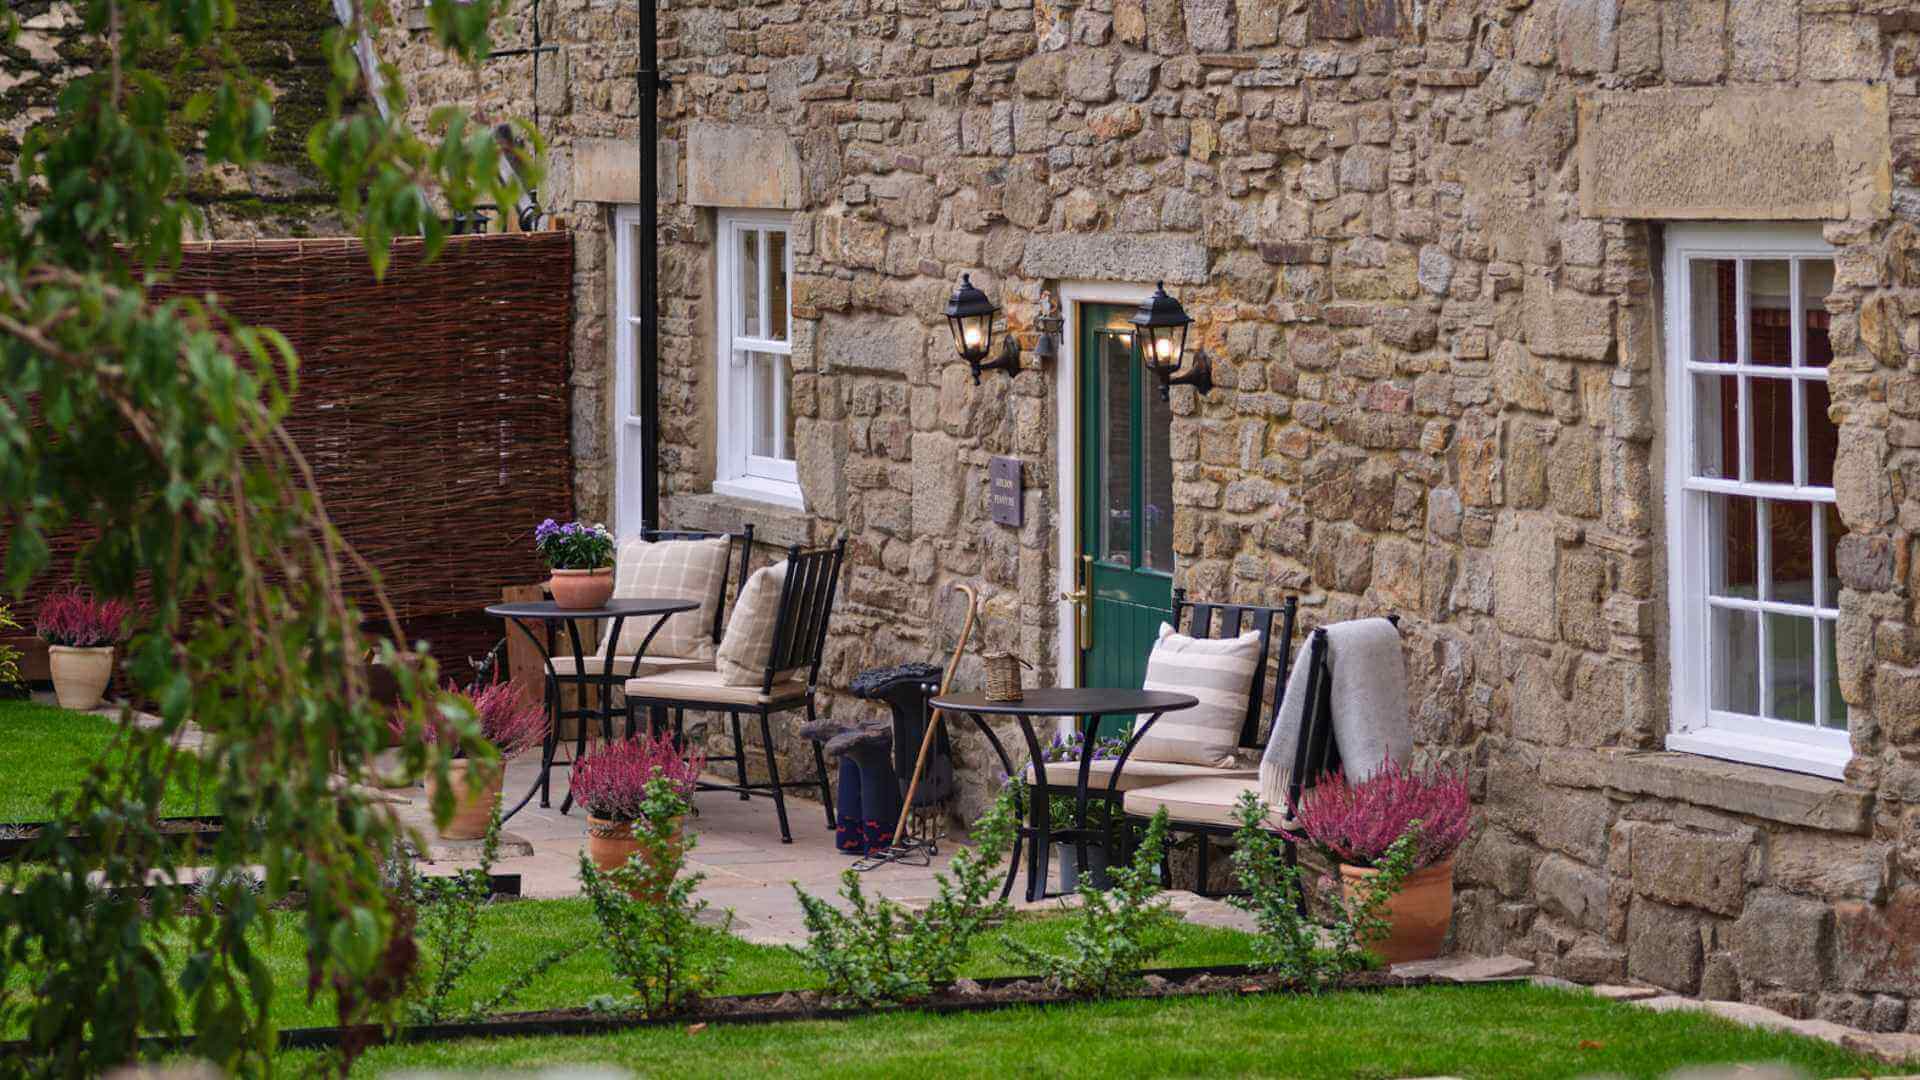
719,512
1773,794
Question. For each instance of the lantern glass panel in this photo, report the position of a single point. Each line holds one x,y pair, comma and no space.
973,334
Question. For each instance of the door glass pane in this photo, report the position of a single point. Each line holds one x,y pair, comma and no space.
1157,540
1116,462
1790,552
1771,401
776,285
748,300
1823,435
1733,554
1716,412
1770,312
1790,668
1830,674
762,369
1734,661
1712,325
1816,281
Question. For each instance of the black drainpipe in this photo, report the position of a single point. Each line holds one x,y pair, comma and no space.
649,259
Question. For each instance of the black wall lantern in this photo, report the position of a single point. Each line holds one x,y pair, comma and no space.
1161,336
970,315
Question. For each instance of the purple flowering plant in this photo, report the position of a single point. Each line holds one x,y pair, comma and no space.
1356,822
573,546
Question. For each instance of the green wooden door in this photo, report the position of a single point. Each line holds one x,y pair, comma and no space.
1126,502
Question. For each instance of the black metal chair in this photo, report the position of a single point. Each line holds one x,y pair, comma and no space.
1316,754
1204,620
596,681
1224,621
799,638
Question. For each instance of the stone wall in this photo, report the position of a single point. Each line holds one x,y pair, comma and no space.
281,43
1425,257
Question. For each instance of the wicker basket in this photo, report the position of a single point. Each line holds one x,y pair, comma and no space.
1003,676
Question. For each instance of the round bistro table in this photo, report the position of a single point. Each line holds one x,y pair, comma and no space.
1089,705
524,614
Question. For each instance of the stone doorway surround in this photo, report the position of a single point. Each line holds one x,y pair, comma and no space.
1066,374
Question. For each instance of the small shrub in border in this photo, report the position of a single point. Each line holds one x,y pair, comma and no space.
877,951
647,911
1290,943
1114,934
446,913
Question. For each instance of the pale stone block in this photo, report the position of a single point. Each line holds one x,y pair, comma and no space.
1736,153
737,165
608,170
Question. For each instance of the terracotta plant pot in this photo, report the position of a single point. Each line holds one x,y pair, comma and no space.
581,590
473,805
610,844
1418,913
80,676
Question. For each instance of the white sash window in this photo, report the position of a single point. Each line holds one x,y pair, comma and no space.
755,436
1751,522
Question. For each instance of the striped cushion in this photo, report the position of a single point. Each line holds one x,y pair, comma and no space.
671,570
747,646
1218,671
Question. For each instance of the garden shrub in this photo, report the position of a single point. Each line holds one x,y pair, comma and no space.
11,684
446,918
647,911
1114,933
1292,944
155,429
877,951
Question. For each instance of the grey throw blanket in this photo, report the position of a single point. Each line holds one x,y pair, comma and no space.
1369,702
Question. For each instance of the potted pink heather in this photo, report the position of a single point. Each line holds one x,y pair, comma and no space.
80,633
611,782
1354,823
581,557
512,724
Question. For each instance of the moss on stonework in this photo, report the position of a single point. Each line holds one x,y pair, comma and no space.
282,42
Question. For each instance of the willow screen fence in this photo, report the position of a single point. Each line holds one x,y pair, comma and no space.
433,406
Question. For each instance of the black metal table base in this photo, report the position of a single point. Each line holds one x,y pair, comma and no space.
603,681
1088,708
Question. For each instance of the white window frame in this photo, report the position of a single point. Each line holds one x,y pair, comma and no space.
630,450
738,471
1695,726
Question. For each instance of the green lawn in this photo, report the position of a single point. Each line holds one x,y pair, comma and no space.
44,749
1504,1031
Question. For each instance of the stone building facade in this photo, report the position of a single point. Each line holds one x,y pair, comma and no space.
1429,248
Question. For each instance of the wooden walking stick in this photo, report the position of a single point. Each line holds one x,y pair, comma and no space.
896,850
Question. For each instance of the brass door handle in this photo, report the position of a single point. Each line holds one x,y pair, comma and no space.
1082,601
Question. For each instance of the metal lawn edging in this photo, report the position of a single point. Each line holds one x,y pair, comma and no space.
538,1023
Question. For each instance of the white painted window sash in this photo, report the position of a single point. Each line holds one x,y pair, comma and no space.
1698,584
629,434
741,471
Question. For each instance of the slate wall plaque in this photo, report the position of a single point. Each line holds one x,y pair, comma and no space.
1004,493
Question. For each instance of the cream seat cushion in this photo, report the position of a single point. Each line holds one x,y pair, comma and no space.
670,570
652,665
1200,801
707,685
1137,774
747,646
1217,671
